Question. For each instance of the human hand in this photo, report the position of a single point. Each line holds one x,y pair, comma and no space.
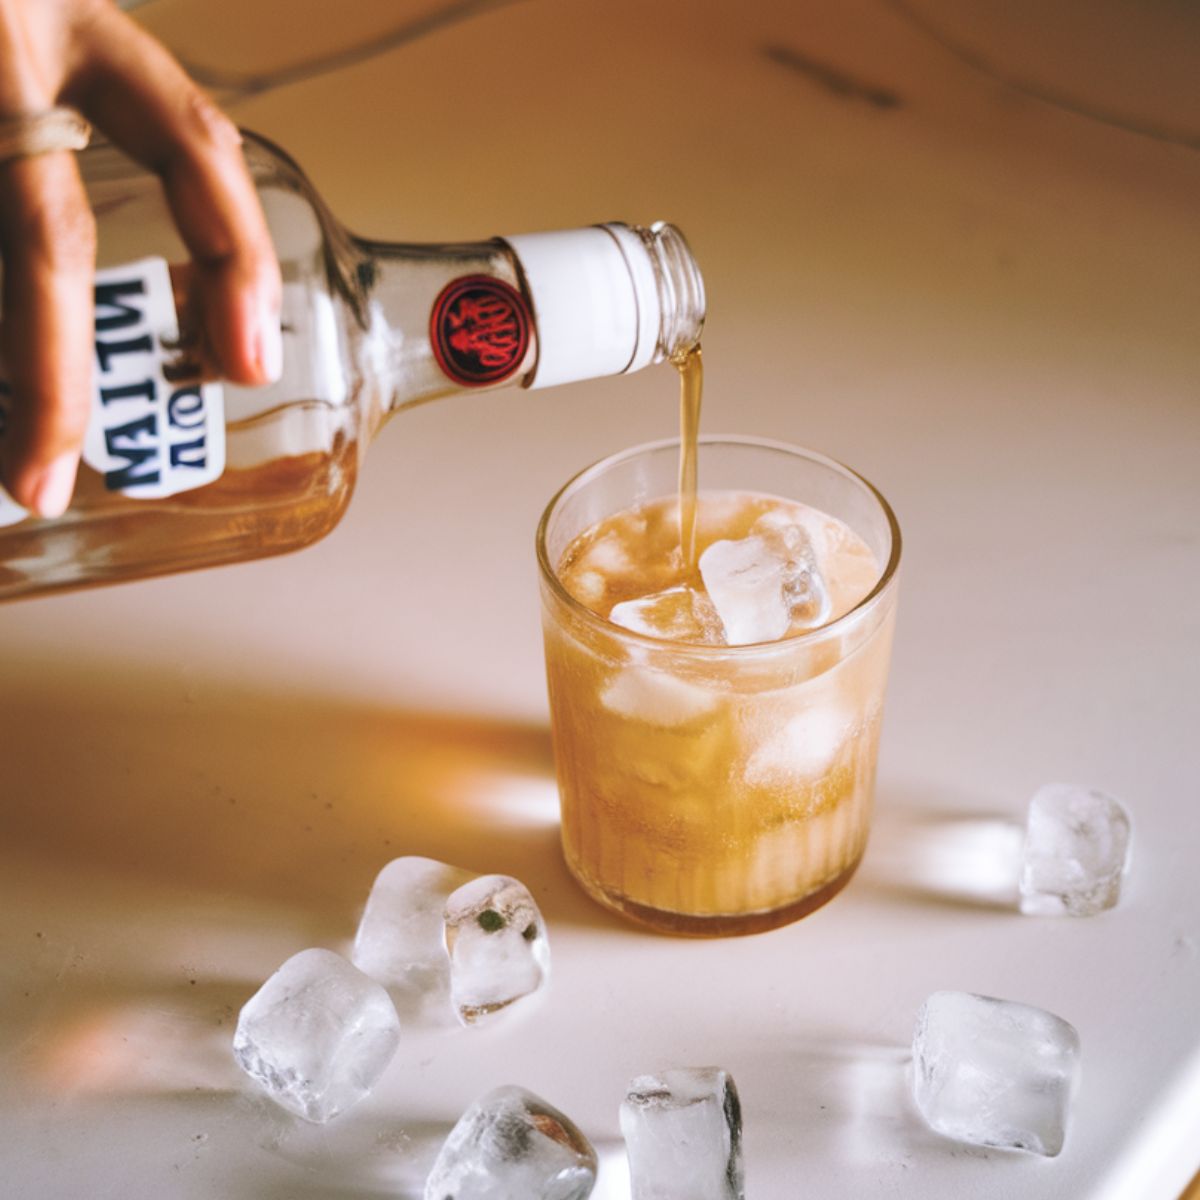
89,55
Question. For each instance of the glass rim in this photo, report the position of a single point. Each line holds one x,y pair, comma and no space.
808,636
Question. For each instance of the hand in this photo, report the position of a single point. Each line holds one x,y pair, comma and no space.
87,54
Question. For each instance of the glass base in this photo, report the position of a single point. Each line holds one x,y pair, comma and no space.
689,925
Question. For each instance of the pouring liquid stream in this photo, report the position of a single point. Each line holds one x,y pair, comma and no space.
690,366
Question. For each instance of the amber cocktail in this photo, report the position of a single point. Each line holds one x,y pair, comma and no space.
716,721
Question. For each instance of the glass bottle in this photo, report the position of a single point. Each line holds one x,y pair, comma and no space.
181,470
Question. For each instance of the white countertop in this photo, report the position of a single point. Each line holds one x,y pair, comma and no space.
986,302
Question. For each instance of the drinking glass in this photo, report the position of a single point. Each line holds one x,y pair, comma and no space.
712,790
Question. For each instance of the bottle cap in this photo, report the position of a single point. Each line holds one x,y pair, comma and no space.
595,299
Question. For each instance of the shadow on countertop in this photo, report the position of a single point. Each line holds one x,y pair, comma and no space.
284,798
943,851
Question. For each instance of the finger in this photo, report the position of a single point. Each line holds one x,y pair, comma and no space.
47,242
133,90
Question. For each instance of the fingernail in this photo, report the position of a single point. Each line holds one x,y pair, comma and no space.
270,343
53,491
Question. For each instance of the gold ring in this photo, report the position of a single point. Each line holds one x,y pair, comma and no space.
42,133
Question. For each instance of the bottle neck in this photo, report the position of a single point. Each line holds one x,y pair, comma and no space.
682,302
609,299
536,310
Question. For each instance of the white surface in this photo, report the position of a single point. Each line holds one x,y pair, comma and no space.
987,304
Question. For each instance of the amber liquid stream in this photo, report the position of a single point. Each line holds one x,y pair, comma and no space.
690,366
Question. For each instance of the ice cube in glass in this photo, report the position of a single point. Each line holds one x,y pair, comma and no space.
744,580
791,541
764,584
678,614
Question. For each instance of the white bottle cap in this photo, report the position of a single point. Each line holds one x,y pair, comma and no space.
595,300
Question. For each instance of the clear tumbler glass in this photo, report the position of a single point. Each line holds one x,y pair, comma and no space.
730,790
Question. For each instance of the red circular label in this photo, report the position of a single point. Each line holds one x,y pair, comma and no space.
479,330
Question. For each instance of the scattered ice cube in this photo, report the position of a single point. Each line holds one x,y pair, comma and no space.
764,584
994,1072
679,614
1076,850
683,1134
511,1145
317,1035
498,946
401,938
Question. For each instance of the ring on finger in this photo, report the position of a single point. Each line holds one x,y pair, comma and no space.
45,132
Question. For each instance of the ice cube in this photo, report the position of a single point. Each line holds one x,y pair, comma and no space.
511,1145
588,587
1076,850
317,1035
401,940
800,526
744,580
802,749
793,538
498,946
683,1134
645,693
994,1072
679,614
765,584
608,555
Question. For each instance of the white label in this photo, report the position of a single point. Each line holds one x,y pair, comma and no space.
148,436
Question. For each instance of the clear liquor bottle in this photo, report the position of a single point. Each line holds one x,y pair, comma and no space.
181,470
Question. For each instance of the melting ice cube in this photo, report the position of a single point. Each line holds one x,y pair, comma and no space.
609,555
657,697
511,1145
498,946
803,749
401,940
317,1035
683,1134
745,583
679,614
1076,850
792,540
764,584
993,1072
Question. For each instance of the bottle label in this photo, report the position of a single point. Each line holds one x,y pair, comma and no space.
155,428
479,330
